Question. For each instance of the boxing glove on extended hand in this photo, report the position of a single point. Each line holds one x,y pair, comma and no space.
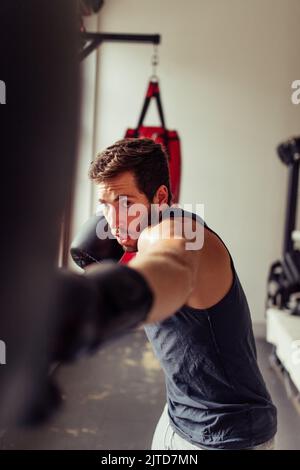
105,302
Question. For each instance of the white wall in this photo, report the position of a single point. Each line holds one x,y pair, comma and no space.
226,68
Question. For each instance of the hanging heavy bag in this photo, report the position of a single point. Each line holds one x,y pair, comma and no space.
162,135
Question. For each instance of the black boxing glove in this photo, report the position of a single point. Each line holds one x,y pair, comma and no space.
88,310
74,310
124,298
107,301
87,247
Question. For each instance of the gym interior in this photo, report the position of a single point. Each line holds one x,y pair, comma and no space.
219,81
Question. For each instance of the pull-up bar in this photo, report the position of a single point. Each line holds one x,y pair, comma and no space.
95,39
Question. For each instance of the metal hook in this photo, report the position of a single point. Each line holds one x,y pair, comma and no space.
154,63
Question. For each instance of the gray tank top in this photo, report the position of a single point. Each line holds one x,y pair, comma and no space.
217,397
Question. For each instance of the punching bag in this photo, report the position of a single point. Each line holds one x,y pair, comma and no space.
160,134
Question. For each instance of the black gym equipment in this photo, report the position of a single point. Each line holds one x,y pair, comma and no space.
283,287
95,39
91,41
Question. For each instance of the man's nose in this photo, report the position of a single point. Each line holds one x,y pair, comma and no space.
116,218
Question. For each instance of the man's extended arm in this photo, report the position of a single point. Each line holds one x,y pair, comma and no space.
169,268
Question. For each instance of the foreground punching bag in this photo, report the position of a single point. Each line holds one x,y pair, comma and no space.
40,68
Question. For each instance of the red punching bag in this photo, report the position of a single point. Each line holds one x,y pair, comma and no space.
162,135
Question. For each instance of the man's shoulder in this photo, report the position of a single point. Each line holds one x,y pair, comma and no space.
175,211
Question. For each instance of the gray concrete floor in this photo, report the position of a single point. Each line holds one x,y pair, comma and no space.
114,399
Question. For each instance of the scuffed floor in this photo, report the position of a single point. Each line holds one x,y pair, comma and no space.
113,400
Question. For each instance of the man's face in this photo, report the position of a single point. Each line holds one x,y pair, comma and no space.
116,198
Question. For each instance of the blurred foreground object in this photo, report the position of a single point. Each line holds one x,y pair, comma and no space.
39,64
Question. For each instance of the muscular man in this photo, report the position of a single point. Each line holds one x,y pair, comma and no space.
199,322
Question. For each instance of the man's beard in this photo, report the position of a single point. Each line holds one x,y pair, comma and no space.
130,249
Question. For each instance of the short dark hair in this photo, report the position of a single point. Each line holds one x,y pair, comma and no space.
145,158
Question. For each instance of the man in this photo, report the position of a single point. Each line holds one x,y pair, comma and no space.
199,322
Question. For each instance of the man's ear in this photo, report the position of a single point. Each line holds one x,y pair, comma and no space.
161,195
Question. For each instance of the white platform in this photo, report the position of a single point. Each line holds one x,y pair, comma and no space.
283,331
